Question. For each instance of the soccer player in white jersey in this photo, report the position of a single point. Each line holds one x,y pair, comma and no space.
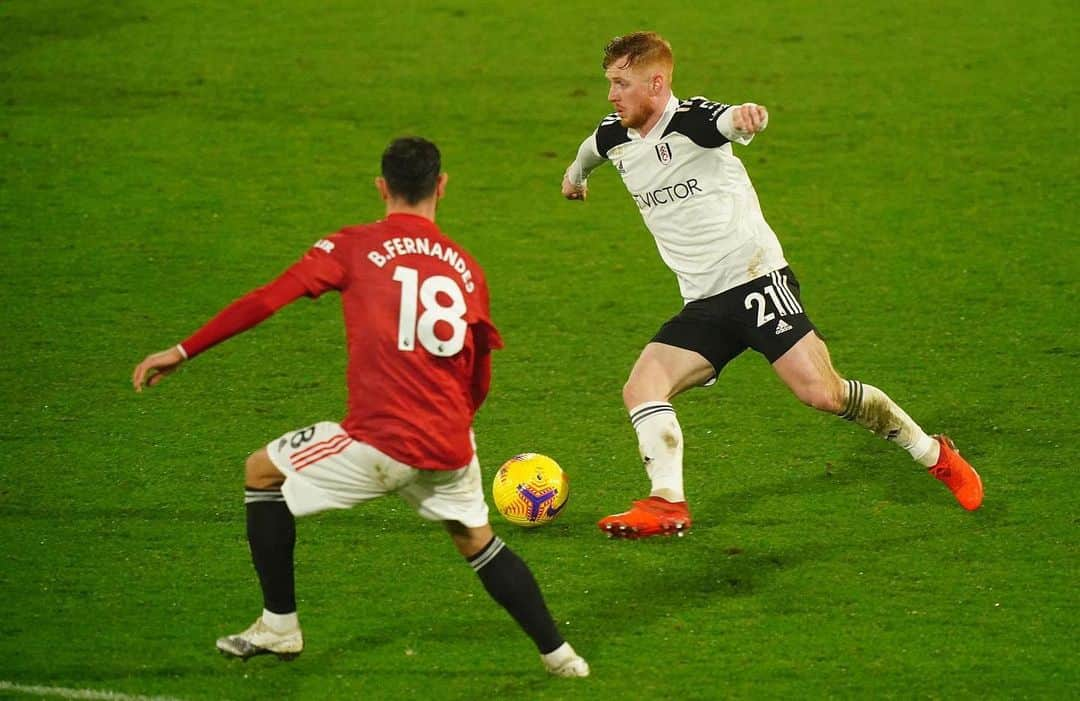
675,158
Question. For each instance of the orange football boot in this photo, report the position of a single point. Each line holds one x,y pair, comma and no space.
648,517
958,475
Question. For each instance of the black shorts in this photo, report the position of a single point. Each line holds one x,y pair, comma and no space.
765,314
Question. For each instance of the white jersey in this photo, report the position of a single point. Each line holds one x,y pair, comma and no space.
693,193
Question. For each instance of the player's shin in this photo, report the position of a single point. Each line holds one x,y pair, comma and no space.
510,582
271,532
660,442
871,408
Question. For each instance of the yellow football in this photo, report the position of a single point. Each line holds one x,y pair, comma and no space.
530,490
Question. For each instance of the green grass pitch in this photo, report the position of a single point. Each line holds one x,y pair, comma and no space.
159,159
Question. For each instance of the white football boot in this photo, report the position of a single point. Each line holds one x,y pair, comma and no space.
564,662
261,639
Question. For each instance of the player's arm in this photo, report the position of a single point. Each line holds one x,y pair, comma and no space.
481,379
486,339
575,180
317,272
246,312
740,122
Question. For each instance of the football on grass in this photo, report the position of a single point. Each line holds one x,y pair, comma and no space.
530,490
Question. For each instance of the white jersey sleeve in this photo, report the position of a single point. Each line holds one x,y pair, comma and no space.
588,159
725,126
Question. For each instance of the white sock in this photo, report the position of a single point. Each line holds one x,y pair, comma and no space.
660,442
871,408
280,622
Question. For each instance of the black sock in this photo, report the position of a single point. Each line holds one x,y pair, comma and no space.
271,532
510,582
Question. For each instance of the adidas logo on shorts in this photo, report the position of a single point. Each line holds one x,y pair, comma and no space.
781,327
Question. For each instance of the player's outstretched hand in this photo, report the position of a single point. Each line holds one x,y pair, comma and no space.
749,118
574,192
154,368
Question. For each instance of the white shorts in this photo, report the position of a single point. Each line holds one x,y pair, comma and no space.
325,469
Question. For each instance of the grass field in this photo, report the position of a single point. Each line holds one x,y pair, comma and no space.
159,159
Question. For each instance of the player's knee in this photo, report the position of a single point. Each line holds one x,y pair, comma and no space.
630,394
469,541
636,392
260,473
823,396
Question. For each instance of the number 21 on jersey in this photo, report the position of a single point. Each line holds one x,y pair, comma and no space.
783,300
414,296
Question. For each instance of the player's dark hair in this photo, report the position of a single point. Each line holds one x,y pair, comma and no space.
411,167
639,48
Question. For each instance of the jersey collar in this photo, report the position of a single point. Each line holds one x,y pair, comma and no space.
657,131
416,219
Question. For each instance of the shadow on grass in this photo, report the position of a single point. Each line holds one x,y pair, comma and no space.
107,514
71,21
871,464
741,543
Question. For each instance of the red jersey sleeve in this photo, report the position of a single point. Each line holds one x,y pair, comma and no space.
317,272
251,309
486,339
481,380
320,270
485,334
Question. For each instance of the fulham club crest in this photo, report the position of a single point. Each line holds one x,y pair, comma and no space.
663,152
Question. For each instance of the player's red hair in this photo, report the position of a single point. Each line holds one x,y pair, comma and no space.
640,49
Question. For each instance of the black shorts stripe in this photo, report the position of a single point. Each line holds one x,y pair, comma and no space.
785,293
784,305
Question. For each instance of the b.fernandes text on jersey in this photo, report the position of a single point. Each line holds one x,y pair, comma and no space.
406,245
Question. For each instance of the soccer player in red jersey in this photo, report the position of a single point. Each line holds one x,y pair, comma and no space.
420,338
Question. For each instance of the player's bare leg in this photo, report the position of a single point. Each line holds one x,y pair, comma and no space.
271,532
660,373
510,582
807,370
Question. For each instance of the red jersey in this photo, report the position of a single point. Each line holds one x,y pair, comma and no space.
419,333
